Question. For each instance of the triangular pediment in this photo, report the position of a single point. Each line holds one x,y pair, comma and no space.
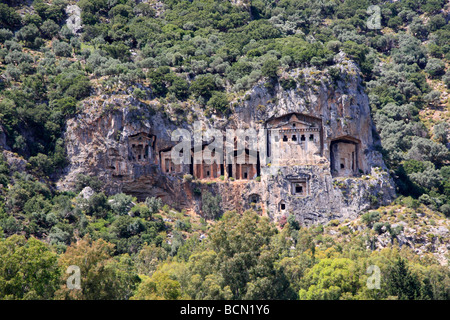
290,125
292,121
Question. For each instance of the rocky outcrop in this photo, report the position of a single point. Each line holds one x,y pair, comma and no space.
424,233
98,143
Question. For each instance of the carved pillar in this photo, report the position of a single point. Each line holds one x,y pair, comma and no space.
214,170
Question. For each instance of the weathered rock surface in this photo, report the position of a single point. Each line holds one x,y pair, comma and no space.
98,144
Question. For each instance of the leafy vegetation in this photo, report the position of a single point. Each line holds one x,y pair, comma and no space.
205,52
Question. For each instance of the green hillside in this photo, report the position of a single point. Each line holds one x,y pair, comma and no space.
208,53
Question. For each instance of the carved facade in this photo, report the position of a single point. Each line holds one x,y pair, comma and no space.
294,139
142,147
297,162
344,157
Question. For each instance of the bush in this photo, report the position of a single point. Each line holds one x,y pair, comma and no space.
182,225
203,86
179,87
435,67
293,223
62,49
5,34
423,149
29,34
9,18
121,203
334,73
446,79
378,227
73,84
42,164
445,209
98,205
219,102
154,204
410,202
288,84
395,22
395,231
141,210
370,217
211,205
269,69
139,94
49,29
83,181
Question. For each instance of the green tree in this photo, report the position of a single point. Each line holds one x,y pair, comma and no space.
49,29
401,282
121,203
269,68
246,258
330,279
211,205
203,86
9,18
28,269
158,287
102,277
218,102
435,67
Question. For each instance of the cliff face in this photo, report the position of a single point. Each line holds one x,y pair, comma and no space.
344,173
97,143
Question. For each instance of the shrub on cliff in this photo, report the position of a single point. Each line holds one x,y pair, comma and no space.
211,205
154,204
121,203
219,102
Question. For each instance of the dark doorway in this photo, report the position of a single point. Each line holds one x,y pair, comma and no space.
258,166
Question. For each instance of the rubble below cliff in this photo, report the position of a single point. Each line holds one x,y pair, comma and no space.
421,230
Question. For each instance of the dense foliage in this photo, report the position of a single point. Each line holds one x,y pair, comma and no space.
207,52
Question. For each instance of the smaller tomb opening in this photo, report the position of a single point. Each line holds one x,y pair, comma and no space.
142,147
344,157
254,198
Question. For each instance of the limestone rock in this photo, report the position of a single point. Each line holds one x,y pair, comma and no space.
127,144
86,193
